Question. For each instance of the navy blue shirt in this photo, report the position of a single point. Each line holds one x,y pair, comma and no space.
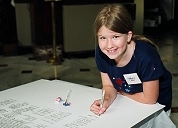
146,64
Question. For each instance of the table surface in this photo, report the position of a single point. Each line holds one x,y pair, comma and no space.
32,105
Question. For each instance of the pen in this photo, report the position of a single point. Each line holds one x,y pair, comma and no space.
102,99
67,103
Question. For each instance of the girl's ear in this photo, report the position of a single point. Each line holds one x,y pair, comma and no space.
129,36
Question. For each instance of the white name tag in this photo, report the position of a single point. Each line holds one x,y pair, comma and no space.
132,78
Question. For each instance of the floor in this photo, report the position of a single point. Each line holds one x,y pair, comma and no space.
18,70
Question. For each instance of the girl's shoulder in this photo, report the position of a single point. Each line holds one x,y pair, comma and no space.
145,49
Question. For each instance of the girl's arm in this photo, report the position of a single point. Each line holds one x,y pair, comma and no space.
110,96
149,95
110,91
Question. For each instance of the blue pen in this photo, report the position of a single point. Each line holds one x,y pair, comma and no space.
67,103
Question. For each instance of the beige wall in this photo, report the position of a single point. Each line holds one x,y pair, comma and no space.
24,28
23,24
78,23
139,22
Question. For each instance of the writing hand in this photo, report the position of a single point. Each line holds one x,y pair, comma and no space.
96,108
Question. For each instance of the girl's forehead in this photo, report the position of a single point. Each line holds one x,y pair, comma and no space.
104,30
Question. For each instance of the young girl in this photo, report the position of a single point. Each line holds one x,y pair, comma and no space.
129,64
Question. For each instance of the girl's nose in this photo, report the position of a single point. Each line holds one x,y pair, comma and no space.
109,44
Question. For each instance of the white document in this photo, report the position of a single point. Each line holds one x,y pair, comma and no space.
32,106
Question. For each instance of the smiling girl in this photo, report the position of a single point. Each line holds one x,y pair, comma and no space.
130,65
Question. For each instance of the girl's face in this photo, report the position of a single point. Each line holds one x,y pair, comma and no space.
113,44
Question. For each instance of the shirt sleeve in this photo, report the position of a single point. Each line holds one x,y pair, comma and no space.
152,69
100,60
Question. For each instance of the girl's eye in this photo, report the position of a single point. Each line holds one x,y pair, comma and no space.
102,38
115,37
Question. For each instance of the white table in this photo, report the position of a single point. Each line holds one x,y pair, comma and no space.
32,106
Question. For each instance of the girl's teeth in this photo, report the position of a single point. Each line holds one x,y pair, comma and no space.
111,51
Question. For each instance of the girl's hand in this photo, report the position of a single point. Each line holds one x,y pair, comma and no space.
96,108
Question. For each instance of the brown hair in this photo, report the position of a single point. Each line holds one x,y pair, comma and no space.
116,18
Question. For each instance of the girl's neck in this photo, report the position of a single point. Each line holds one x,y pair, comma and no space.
126,56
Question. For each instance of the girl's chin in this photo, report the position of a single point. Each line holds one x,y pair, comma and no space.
112,56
